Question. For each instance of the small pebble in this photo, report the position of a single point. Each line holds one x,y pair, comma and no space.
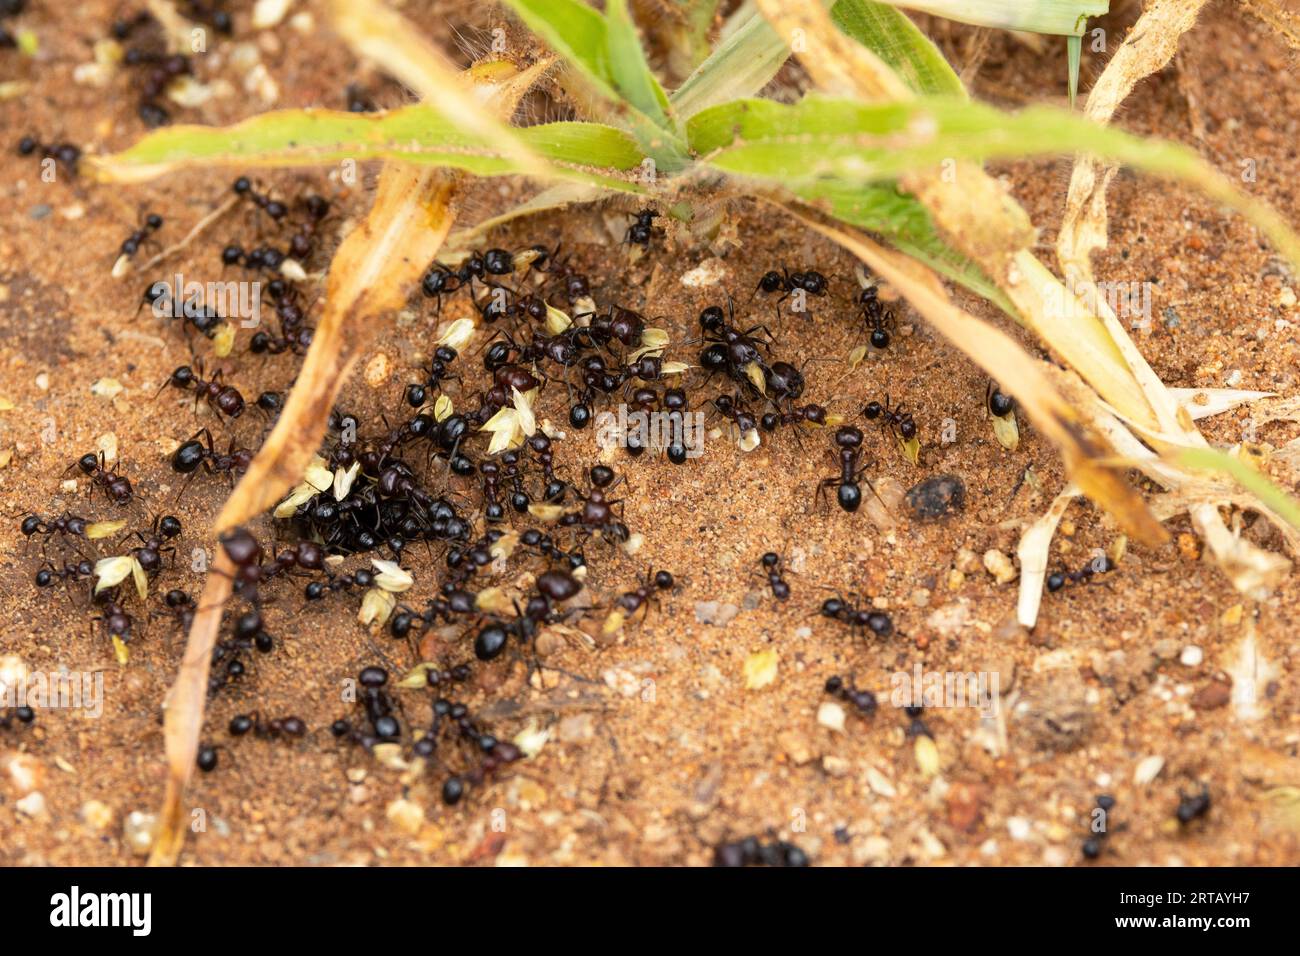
715,612
138,830
937,497
97,814
1148,769
831,716
378,370
1000,566
32,805
1191,656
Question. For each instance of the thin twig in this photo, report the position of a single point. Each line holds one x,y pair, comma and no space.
199,228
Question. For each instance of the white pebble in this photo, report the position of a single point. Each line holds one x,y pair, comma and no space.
1148,769
267,13
707,273
831,716
1191,656
32,805
1019,828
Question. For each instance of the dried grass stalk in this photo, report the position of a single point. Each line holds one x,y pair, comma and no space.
1147,49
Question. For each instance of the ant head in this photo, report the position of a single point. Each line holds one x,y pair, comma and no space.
711,319
847,436
241,547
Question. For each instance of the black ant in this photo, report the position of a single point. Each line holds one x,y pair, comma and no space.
1190,807
49,574
877,622
810,414
597,512
118,487
878,319
848,440
116,622
223,399
242,724
642,228
632,601
437,282
775,576
277,210
361,578
895,418
302,241
271,403
377,703
131,244
732,409
245,554
1092,846
163,70
787,283
1058,579
205,319
750,852
864,701
439,369
999,404
149,554
65,154
65,524
193,453
24,715
729,350
181,606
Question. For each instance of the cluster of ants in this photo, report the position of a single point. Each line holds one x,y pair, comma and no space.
140,554
427,480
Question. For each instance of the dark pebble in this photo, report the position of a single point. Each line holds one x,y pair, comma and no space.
937,497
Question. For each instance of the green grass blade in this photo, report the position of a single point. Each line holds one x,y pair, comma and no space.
739,66
1074,48
628,67
581,36
897,40
1062,17
575,31
1211,459
577,152
827,138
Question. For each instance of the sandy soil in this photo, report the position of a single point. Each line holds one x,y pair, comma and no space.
657,750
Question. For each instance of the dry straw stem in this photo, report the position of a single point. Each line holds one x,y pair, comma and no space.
183,711
1032,552
1147,49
